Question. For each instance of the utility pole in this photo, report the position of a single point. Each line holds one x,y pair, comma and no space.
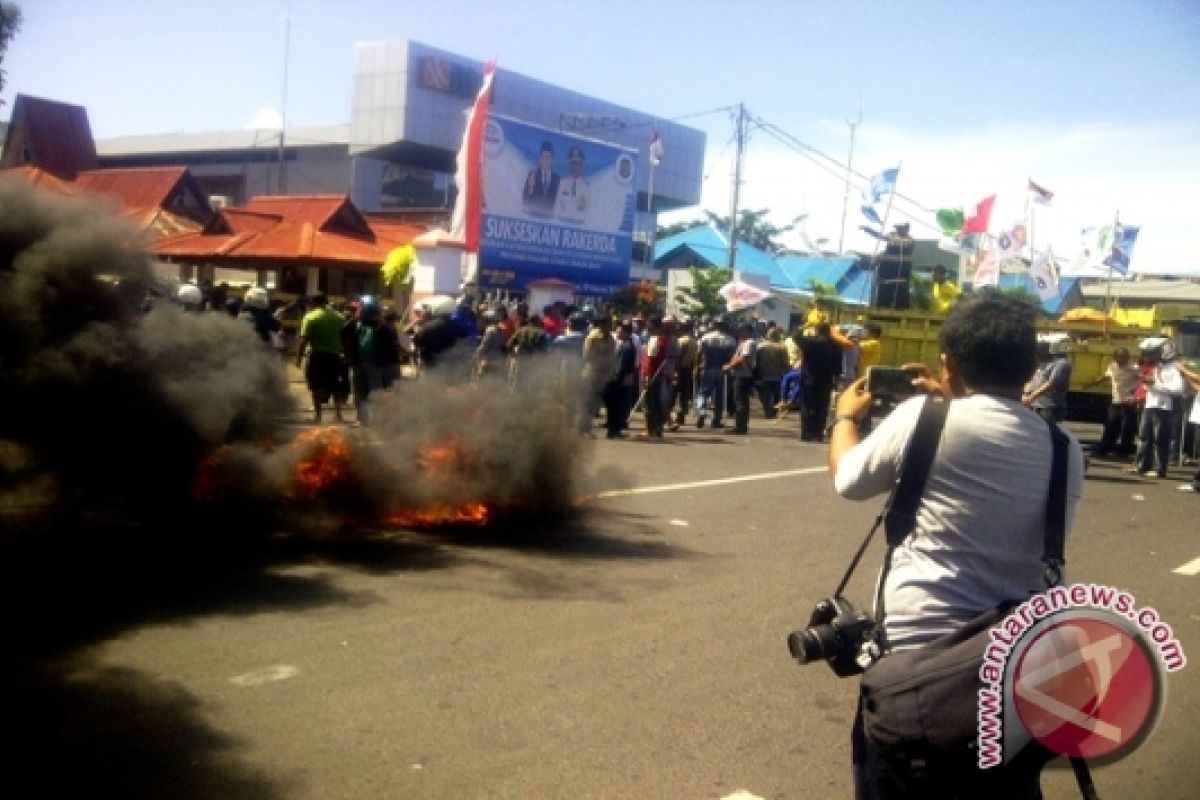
287,41
740,138
849,164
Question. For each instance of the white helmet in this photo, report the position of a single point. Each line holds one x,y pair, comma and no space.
189,294
257,297
1058,344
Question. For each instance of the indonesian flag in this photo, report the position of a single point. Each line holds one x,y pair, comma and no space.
978,223
468,174
1039,194
656,149
739,295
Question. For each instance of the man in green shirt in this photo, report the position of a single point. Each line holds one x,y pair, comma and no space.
321,335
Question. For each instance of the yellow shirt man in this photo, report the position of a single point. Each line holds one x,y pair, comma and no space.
942,293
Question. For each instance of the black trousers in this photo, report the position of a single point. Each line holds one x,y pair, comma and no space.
1120,430
743,388
814,409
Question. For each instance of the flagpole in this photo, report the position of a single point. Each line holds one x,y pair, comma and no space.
1108,283
875,256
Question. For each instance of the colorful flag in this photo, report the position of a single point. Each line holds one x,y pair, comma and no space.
656,149
978,223
881,184
1095,245
1009,243
1044,273
1039,194
1122,248
468,206
987,270
870,213
950,220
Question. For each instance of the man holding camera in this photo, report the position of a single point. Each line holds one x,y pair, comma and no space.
979,531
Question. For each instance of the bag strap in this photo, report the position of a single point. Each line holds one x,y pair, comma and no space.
914,468
1056,506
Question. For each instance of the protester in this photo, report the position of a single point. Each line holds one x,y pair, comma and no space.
619,393
1121,422
599,368
942,293
820,365
320,340
1046,392
656,382
979,526
256,309
1164,391
715,349
740,369
772,363
683,387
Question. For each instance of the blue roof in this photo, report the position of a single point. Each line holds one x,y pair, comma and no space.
1068,296
710,248
788,274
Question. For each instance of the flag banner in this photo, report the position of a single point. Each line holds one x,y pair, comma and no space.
656,150
1044,273
950,220
1009,244
979,221
870,213
555,205
1095,245
1122,248
987,270
465,219
1039,194
739,295
881,184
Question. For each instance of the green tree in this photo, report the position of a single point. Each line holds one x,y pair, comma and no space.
752,228
10,23
701,300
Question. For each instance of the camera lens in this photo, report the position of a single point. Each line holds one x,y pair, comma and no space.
814,643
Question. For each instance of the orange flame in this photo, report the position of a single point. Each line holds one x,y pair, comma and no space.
327,464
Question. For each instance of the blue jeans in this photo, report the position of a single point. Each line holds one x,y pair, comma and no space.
1155,433
712,392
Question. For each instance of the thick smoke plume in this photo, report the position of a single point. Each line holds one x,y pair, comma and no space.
112,410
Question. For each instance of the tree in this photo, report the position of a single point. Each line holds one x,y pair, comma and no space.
700,300
10,23
639,297
752,228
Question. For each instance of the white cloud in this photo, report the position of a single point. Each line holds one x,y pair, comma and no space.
266,119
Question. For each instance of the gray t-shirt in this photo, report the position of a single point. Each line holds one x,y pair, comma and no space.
979,532
1057,373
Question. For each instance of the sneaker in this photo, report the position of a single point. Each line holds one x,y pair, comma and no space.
1188,487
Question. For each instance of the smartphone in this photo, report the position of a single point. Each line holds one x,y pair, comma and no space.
889,381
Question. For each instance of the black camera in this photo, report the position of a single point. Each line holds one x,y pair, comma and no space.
836,633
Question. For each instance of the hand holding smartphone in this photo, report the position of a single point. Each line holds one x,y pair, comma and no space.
890,382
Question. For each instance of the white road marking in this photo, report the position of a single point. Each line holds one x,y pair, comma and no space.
279,672
742,794
675,487
1191,568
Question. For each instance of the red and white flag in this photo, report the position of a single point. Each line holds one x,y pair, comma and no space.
1039,194
656,149
468,174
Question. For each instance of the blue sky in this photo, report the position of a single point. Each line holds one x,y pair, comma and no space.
1098,101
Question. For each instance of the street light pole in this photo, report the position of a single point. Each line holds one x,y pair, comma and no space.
740,137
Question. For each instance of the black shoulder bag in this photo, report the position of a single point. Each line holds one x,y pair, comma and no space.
920,705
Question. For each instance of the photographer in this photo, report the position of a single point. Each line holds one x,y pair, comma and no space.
979,531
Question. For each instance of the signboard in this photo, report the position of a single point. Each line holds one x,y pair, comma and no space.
440,75
555,206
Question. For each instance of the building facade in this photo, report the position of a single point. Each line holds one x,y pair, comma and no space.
397,153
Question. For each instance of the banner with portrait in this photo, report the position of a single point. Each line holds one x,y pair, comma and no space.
555,206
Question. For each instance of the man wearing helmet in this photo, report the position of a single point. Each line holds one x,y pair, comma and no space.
1164,393
256,309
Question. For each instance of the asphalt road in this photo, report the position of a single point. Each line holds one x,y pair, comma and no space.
635,652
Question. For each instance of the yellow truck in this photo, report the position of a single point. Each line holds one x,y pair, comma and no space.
911,336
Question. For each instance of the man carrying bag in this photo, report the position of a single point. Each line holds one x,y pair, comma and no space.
973,542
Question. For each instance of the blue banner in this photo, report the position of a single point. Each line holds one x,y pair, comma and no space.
555,206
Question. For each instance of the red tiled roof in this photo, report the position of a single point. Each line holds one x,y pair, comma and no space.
40,179
314,228
137,188
48,134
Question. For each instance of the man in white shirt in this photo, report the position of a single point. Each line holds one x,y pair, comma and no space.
979,533
1162,396
1120,426
573,191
